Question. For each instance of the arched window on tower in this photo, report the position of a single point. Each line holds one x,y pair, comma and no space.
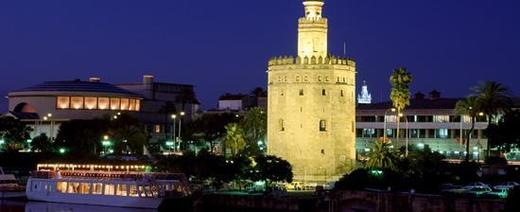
323,125
281,125
323,92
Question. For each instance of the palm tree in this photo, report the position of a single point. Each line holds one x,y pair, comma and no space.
400,94
381,156
234,139
470,107
255,127
494,100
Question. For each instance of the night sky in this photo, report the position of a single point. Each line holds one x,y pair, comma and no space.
223,46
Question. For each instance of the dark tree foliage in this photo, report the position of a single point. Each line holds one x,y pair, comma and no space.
506,133
82,137
41,143
14,133
271,169
208,128
127,135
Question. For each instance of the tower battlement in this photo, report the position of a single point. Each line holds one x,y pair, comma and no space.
329,60
322,21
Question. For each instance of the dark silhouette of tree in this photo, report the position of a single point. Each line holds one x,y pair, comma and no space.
494,99
400,94
254,124
14,133
82,137
470,107
208,128
41,143
127,135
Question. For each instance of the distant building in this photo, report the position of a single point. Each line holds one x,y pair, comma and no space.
365,97
233,102
45,106
429,121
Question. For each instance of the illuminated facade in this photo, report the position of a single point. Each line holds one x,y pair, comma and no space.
365,97
311,104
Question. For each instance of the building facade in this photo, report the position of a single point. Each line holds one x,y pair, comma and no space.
311,104
430,121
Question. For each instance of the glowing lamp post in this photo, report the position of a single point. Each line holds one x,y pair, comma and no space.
180,127
106,144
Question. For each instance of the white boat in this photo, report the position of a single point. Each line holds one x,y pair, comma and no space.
9,187
105,185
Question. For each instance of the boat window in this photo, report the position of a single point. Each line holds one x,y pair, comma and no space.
97,188
109,189
133,191
141,191
61,187
73,188
84,188
121,190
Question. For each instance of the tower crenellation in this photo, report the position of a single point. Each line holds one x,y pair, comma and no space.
328,60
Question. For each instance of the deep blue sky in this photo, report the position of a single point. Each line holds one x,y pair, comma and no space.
222,46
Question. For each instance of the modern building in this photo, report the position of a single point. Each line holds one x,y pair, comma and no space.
364,97
240,102
45,106
312,103
430,121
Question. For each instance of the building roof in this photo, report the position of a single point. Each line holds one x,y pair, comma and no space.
427,104
21,115
76,86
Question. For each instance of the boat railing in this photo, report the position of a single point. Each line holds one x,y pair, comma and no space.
134,176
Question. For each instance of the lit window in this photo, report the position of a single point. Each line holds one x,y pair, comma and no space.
115,103
131,105
63,102
91,103
103,103
137,105
124,104
157,128
282,125
323,125
76,102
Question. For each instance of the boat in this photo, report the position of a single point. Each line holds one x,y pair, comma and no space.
9,187
129,186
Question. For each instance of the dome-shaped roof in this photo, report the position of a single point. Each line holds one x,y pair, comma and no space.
77,86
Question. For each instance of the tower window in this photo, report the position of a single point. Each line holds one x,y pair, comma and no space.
342,93
301,92
323,125
281,124
323,92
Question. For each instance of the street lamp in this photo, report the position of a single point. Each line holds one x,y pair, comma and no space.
105,143
384,124
180,127
174,138
407,132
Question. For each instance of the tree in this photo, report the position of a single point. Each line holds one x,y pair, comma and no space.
271,169
41,143
82,137
505,133
254,124
127,134
208,128
494,100
382,156
470,107
400,94
234,139
14,133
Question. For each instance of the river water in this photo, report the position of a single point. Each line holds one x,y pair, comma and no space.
28,206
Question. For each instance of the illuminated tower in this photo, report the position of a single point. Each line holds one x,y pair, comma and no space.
311,104
365,97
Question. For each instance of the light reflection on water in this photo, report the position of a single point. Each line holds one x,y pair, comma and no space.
22,206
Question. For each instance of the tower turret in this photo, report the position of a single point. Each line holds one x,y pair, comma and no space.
312,30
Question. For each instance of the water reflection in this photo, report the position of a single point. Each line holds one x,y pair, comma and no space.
21,206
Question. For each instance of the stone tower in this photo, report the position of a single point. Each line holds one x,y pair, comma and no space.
312,104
